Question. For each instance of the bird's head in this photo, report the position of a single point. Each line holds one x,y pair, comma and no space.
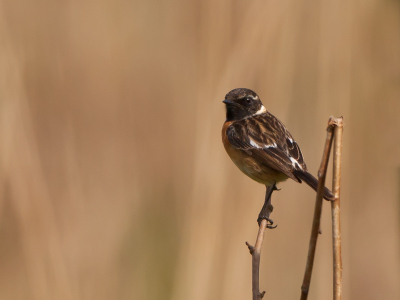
242,103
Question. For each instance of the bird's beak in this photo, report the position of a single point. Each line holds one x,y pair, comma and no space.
231,103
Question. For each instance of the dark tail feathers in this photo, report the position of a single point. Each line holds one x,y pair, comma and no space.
313,182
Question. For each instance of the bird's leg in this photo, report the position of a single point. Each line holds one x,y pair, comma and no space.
267,208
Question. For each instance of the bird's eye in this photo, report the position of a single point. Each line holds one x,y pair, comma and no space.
248,100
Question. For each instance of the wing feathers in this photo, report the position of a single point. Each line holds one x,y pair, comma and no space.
266,137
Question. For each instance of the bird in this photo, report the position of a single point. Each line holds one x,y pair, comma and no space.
261,146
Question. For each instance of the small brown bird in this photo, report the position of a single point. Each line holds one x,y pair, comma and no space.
261,146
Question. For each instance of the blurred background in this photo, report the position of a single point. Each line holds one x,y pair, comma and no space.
114,180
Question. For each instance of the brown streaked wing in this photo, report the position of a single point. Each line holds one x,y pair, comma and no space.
283,136
273,157
295,152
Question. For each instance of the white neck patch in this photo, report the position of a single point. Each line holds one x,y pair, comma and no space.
262,110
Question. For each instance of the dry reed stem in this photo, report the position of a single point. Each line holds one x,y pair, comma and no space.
317,210
335,208
256,252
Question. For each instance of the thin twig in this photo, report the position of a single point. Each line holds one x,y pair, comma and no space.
335,207
317,211
255,253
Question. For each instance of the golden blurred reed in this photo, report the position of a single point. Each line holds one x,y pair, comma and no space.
114,181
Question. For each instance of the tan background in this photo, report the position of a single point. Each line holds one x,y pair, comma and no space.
114,181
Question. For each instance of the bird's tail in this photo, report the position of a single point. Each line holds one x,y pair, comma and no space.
313,182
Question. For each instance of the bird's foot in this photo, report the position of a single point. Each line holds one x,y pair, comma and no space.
271,222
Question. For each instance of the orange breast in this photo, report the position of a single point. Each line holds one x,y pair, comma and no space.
256,170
